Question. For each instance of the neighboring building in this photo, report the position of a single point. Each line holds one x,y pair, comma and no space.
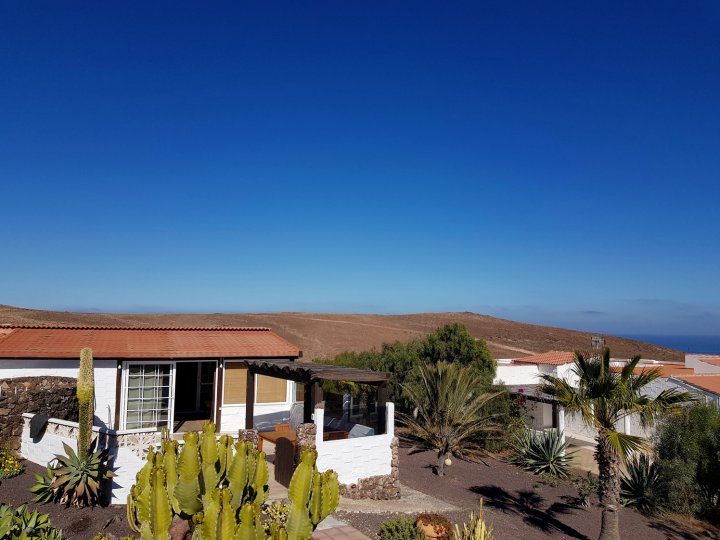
522,375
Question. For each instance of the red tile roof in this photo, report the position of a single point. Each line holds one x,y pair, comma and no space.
666,370
555,358
711,383
26,341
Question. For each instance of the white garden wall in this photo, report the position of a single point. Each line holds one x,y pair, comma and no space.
126,449
358,457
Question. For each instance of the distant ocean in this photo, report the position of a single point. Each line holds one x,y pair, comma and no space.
689,344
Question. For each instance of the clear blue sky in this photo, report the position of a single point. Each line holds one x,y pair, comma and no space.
552,162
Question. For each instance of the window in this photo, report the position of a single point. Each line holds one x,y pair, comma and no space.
299,391
235,383
149,395
271,389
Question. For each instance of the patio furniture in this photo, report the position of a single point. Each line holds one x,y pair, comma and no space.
273,436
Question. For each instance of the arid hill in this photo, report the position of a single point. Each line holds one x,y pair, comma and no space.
325,335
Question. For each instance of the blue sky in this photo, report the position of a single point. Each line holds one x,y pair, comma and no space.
552,162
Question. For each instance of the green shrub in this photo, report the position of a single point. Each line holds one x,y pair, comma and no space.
20,524
586,487
687,451
642,485
543,453
403,528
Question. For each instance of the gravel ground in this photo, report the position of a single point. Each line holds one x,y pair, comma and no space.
76,523
518,505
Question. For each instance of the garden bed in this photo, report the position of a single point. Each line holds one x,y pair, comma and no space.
519,505
76,523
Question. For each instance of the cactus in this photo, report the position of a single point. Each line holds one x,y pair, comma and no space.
313,497
187,489
86,400
220,489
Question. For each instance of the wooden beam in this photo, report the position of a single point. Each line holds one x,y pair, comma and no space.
250,400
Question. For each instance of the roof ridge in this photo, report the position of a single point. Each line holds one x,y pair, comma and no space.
150,328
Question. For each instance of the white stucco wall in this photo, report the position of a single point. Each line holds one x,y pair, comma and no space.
514,374
105,377
695,361
359,457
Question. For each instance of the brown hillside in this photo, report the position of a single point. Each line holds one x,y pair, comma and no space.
325,335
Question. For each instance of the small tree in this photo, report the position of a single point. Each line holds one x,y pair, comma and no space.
454,343
603,398
86,400
687,449
449,416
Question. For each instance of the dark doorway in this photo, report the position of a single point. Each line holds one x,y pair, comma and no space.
194,393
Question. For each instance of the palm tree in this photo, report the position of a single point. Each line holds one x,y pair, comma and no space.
604,397
450,416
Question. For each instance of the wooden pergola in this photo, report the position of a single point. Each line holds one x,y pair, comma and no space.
311,376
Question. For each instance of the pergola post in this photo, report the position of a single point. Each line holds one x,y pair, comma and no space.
250,399
313,396
307,402
381,403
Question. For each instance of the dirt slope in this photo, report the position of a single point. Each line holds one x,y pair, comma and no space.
324,335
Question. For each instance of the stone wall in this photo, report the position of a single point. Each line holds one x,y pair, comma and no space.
382,487
51,396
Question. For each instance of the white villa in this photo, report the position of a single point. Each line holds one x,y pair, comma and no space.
243,379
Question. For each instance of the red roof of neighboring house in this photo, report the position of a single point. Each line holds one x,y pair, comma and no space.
711,359
711,383
554,358
25,341
666,370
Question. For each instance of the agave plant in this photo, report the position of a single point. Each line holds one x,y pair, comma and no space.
543,452
78,480
43,488
21,524
642,485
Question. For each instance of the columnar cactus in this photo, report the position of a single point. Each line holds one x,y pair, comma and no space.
221,492
313,497
86,400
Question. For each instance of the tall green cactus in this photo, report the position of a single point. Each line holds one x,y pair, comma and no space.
86,400
221,492
313,497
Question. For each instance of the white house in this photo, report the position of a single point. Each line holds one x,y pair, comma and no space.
153,378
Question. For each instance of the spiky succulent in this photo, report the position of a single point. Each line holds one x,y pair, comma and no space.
78,478
642,485
543,452
20,524
43,488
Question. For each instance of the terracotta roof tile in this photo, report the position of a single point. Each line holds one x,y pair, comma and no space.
711,383
143,342
555,358
666,370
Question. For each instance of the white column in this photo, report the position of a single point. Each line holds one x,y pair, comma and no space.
626,425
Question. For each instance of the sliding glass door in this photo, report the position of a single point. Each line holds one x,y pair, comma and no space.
149,395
